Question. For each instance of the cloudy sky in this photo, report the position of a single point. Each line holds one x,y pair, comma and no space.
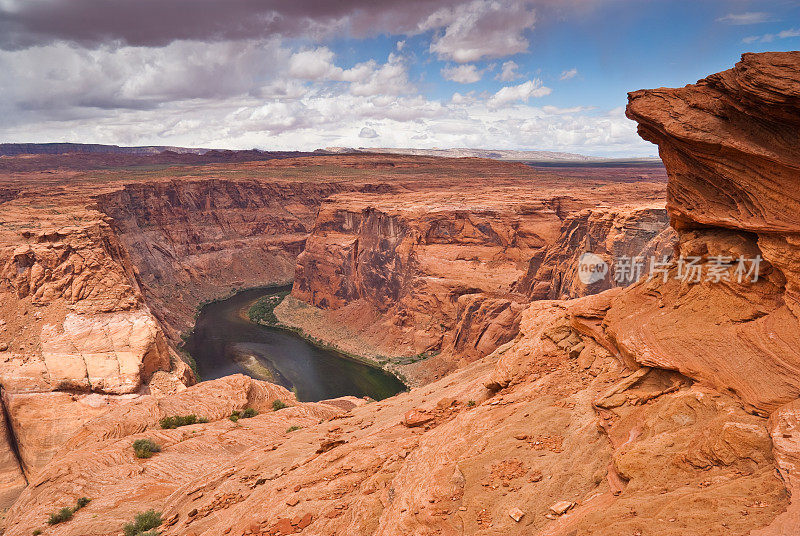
302,74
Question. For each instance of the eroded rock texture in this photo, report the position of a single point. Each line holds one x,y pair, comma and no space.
102,270
193,241
662,408
730,145
444,272
609,233
551,434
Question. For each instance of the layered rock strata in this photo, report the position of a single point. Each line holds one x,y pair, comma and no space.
416,274
491,449
730,144
193,241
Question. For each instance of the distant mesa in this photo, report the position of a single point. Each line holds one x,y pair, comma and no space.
495,154
13,149
240,155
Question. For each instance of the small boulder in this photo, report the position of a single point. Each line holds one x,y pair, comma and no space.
415,417
562,507
516,514
329,444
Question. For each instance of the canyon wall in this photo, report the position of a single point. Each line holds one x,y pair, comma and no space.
197,240
407,259
75,333
488,450
442,275
100,276
611,234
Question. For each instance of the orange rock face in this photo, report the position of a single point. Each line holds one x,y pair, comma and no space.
198,240
454,457
609,233
730,147
447,272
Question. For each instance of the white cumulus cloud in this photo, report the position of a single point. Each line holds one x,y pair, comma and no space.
508,72
463,74
480,29
520,93
368,132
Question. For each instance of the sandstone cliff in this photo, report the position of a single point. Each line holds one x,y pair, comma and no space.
193,241
609,233
409,275
491,449
730,144
73,322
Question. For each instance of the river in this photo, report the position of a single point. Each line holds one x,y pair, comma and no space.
225,341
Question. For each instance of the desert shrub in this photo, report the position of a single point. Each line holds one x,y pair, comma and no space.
180,420
142,523
66,513
37,532
278,404
245,414
293,428
145,448
471,403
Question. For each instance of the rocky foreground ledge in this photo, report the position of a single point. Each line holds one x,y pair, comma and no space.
669,407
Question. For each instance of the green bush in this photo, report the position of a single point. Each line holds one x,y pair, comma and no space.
66,513
278,404
293,429
471,403
247,413
263,311
145,448
37,532
180,420
143,522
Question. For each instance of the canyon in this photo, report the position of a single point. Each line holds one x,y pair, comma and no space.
540,404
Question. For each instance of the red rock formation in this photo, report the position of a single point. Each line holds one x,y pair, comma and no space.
453,457
96,268
730,144
193,241
409,274
633,411
609,233
121,485
73,321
